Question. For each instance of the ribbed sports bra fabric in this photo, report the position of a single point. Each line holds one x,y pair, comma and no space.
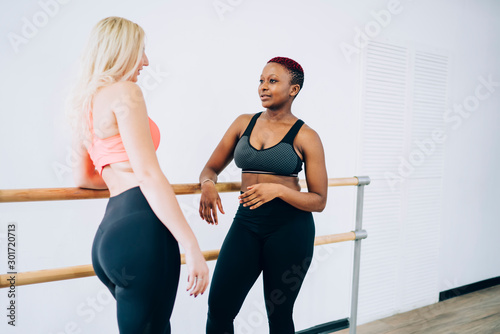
110,150
280,159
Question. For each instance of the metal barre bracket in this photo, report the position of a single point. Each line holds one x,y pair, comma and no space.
361,234
363,180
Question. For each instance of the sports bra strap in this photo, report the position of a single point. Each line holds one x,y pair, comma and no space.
290,136
250,126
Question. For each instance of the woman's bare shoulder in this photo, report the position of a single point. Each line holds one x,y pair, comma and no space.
119,96
122,86
244,118
241,122
122,90
308,136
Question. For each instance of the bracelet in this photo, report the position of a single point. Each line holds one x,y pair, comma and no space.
206,181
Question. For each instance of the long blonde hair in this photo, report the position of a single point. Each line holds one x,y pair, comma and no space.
112,54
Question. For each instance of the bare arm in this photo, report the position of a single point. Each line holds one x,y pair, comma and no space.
134,129
223,153
220,158
314,200
84,173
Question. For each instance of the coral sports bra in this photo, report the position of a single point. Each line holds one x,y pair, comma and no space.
110,150
280,159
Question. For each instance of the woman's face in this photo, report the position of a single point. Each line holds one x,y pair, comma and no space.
275,88
144,62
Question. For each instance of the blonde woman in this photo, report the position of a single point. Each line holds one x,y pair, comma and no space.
135,251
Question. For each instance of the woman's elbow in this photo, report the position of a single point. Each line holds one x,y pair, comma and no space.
88,181
146,176
322,204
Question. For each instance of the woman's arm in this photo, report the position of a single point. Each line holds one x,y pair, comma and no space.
84,173
133,124
314,200
220,158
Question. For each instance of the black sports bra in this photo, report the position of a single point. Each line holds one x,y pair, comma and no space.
280,159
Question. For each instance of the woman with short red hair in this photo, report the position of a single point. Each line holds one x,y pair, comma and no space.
273,230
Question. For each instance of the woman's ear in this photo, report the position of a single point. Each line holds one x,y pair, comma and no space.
294,90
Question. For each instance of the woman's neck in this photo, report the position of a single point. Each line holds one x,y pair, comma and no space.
279,114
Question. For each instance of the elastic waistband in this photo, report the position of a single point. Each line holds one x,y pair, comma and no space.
250,171
127,202
127,192
274,208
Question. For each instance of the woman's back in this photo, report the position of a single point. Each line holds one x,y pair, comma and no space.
107,149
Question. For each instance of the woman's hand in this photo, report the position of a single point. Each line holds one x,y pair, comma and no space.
260,193
209,202
198,276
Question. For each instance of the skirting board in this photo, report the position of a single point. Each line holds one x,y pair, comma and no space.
463,290
326,328
338,325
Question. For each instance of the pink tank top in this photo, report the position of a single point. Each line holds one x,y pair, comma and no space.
110,150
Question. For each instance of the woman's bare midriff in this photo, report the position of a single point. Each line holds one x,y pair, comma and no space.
248,179
119,177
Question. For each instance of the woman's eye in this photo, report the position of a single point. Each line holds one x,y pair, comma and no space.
272,80
261,81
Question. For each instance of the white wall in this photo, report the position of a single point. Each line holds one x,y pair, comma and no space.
203,72
472,183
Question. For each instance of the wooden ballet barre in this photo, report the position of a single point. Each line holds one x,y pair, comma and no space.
51,275
61,194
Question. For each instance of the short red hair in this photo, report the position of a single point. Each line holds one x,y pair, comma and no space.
290,64
293,67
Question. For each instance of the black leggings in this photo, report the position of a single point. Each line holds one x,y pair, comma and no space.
138,259
277,239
